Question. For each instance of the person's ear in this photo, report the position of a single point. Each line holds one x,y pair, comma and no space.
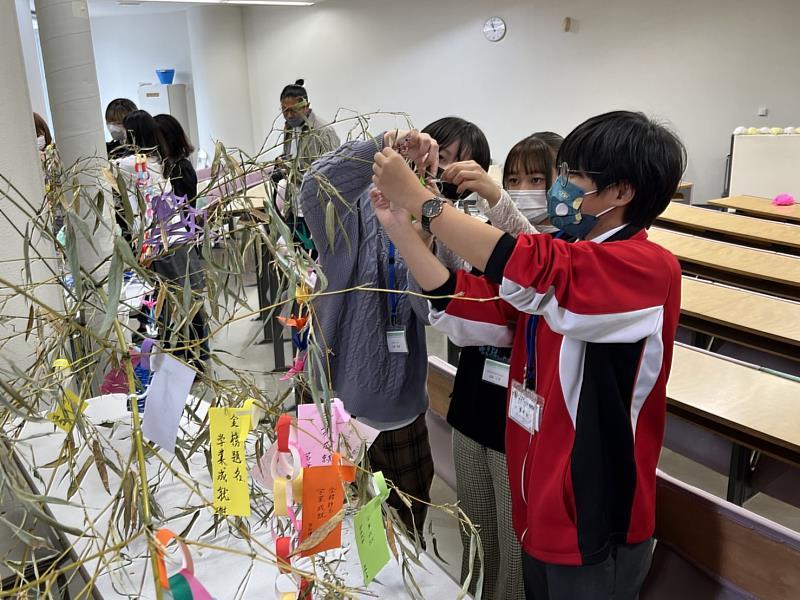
622,193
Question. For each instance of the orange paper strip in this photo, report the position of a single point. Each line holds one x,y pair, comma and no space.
323,497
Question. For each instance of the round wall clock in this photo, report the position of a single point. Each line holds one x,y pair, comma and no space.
494,29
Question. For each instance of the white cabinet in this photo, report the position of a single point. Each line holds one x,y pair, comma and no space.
172,100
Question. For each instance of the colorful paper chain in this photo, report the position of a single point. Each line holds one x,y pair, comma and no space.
183,585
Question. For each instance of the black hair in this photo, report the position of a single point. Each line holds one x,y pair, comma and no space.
144,133
473,144
534,154
118,108
295,90
176,143
627,147
42,128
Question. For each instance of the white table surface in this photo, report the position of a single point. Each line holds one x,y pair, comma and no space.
226,575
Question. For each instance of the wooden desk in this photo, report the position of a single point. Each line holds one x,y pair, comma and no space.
684,192
722,395
747,318
759,207
760,270
738,228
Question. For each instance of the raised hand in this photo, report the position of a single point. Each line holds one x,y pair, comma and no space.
397,181
419,148
469,175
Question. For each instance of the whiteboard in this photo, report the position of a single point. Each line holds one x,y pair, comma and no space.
765,165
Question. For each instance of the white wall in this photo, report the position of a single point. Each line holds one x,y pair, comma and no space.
222,90
703,65
129,49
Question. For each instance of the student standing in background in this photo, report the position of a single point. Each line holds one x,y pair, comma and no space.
177,166
306,137
173,267
116,111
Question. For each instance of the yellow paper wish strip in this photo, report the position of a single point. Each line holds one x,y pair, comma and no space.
66,411
228,429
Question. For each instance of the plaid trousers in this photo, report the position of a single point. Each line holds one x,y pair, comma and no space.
404,456
484,496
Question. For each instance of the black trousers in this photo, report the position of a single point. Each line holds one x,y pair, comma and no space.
619,577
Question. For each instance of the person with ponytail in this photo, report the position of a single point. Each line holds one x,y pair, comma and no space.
306,137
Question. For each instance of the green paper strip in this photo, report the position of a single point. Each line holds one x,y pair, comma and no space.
380,483
180,587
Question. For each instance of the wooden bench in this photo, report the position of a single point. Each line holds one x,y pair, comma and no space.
709,548
747,318
760,270
725,226
759,207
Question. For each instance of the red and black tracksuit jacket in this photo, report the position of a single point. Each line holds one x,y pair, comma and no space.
586,481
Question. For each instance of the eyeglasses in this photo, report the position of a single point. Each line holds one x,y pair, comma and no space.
564,172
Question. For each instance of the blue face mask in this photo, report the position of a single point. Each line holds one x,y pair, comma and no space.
564,209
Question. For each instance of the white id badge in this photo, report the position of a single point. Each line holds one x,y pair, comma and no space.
396,340
525,408
496,372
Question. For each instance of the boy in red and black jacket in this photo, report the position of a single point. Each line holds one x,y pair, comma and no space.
591,325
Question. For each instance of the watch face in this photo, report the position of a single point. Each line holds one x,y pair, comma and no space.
494,29
432,208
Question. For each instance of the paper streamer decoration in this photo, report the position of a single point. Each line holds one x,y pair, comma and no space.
323,497
183,585
316,441
228,430
373,548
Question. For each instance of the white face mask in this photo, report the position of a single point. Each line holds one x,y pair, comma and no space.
117,132
40,142
532,204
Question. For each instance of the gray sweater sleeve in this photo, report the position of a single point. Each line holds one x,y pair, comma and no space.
339,177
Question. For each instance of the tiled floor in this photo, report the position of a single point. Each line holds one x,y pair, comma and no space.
257,362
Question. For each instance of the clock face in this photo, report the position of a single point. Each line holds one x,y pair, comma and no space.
494,29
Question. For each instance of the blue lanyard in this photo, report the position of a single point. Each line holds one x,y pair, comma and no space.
530,344
394,299
530,350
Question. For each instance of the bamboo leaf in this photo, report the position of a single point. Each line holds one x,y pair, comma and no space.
124,199
114,290
26,254
27,538
72,257
320,534
330,223
29,326
100,202
100,462
76,482
109,177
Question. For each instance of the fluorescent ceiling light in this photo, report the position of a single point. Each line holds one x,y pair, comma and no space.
249,2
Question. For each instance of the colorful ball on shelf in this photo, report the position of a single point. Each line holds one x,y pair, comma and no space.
791,130
752,130
764,130
776,131
740,130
